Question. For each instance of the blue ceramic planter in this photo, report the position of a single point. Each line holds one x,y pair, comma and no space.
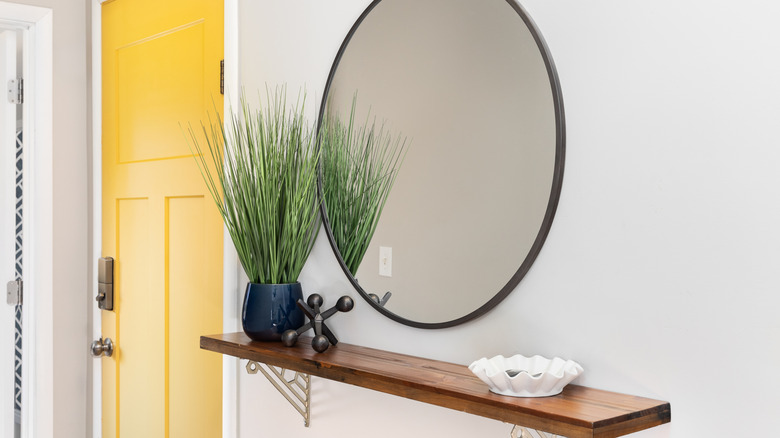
270,309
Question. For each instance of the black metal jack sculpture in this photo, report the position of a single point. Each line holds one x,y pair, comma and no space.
323,337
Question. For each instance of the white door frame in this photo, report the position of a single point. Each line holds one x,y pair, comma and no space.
231,301
38,339
94,372
7,227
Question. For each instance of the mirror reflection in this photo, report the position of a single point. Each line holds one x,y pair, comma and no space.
467,84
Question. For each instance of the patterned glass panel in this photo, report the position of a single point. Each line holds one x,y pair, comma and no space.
18,255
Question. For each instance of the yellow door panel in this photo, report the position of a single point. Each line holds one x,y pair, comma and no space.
139,307
160,69
144,92
188,269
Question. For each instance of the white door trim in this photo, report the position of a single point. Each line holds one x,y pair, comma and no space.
7,227
38,329
231,299
94,371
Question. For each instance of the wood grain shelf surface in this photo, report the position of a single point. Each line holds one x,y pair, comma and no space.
577,412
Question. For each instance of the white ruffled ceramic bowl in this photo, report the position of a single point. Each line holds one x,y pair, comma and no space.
520,376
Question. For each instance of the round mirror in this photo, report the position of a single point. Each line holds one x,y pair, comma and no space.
471,86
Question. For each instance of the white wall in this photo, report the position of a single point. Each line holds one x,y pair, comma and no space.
660,273
68,369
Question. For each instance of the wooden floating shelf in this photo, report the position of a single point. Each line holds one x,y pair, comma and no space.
578,412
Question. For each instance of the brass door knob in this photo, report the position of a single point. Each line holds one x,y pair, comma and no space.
102,347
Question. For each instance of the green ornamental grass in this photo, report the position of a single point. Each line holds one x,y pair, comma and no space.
359,167
261,170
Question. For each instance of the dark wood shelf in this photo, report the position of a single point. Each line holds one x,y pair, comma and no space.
578,412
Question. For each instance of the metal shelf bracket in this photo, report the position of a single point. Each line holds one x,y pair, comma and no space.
296,390
522,432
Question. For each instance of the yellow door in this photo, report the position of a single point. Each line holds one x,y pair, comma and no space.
161,64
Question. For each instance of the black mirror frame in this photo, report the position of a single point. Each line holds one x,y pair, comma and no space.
552,205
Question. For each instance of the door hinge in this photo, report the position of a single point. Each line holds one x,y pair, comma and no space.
14,293
16,90
222,77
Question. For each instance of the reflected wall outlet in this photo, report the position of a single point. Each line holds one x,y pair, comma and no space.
385,261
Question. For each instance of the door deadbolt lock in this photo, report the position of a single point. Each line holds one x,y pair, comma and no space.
102,347
105,296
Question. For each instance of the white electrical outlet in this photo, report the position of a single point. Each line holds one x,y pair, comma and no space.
385,261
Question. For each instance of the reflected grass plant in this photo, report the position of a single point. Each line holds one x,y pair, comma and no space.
359,166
